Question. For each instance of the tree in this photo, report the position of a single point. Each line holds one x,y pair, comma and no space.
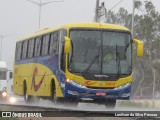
147,28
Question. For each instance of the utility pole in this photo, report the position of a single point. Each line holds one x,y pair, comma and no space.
100,11
132,29
97,11
40,4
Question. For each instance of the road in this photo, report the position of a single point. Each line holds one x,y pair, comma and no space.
82,110
91,106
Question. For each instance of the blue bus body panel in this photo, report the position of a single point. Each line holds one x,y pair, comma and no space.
91,93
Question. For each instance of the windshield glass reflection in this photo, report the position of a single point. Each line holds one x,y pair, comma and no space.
100,52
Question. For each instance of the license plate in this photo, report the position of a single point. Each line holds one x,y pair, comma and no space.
101,94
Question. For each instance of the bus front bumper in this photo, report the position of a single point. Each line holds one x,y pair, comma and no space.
84,93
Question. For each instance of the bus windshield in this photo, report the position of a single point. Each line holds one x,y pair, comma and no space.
100,52
3,75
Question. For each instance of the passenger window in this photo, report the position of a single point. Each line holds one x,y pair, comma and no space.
24,51
31,48
54,43
37,48
45,46
18,51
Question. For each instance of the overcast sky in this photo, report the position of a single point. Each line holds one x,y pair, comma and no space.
21,17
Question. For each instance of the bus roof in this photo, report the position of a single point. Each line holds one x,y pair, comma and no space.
77,25
97,25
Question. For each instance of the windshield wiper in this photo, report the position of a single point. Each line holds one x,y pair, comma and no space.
125,49
92,62
118,62
90,65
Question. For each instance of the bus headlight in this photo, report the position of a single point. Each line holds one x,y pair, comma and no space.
75,83
122,86
126,94
12,100
4,94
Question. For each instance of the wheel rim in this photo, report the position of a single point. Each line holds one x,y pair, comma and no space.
26,96
54,97
25,93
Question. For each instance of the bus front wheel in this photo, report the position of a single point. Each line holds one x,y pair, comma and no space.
53,92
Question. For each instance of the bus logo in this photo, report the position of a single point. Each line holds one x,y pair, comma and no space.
89,83
36,87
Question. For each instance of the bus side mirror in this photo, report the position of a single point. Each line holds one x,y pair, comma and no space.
139,47
67,45
10,75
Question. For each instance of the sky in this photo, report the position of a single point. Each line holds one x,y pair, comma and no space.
19,18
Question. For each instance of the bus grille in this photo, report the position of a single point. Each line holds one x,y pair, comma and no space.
100,87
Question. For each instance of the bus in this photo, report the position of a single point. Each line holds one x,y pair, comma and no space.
82,62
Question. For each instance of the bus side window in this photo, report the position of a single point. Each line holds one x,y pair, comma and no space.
37,48
54,43
24,49
18,51
31,48
45,45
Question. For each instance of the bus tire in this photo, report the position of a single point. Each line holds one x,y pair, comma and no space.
56,100
110,104
27,98
25,91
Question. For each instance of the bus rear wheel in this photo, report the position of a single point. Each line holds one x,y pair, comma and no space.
27,98
25,91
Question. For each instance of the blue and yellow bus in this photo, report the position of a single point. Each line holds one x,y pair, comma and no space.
79,62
